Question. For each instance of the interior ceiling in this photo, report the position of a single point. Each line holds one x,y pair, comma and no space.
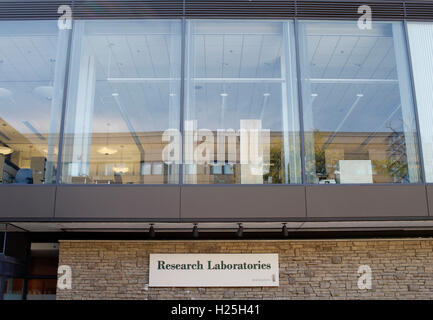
26,63
365,65
132,66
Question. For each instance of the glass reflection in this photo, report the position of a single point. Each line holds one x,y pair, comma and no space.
358,110
241,113
32,68
123,94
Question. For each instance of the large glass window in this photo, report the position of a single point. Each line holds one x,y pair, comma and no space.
358,109
32,71
421,49
241,123
123,95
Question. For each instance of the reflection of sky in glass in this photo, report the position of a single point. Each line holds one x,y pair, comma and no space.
341,60
27,60
239,101
249,52
137,68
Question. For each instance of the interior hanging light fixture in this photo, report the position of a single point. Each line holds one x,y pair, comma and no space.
121,168
106,150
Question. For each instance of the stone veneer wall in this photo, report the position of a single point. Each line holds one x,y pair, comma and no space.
401,269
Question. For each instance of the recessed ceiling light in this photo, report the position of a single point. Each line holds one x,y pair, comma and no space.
115,94
107,151
359,95
223,94
314,94
266,94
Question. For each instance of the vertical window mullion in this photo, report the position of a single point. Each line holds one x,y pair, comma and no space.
64,102
300,99
415,103
182,97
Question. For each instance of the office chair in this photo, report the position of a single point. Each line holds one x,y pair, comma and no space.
24,176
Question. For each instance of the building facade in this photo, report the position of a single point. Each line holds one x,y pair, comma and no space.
300,128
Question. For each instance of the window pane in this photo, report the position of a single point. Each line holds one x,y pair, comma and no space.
32,72
123,94
41,289
241,111
421,49
358,110
13,289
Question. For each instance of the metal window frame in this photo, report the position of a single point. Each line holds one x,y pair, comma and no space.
415,103
64,106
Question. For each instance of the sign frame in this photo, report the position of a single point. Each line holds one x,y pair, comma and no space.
213,270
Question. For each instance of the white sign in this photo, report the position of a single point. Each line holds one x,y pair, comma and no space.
355,171
213,270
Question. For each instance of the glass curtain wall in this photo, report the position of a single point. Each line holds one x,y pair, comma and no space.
421,49
123,96
358,110
32,73
241,122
